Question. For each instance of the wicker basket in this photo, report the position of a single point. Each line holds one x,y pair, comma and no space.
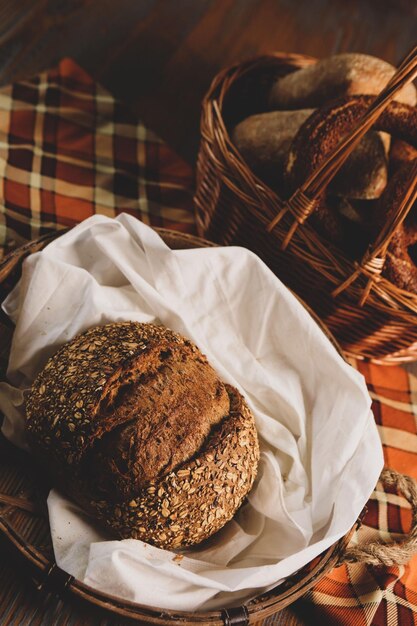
24,524
370,316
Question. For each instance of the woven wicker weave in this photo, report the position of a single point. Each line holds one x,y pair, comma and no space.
23,515
370,316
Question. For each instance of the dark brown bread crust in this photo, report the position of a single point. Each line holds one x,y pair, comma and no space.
320,134
165,419
264,141
399,267
323,130
315,140
191,503
64,408
124,408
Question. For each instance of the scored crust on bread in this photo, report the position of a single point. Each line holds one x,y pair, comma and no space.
123,413
78,396
191,503
183,400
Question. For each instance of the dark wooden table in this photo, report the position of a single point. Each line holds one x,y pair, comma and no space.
160,56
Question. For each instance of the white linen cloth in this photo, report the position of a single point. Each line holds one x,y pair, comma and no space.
320,451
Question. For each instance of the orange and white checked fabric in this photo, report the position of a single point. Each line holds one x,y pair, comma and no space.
68,149
358,595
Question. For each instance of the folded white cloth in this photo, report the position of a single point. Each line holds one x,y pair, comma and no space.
320,452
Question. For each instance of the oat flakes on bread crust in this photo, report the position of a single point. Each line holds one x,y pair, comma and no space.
199,497
126,416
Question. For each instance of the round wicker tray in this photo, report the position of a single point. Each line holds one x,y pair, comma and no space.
24,521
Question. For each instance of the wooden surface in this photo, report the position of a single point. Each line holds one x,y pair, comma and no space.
160,56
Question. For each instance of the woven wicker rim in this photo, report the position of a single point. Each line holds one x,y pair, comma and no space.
224,177
49,577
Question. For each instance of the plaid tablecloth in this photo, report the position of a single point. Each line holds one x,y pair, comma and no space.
68,149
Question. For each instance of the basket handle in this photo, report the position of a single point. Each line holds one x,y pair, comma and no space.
395,553
304,200
373,260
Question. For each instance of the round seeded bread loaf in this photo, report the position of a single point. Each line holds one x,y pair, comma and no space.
137,428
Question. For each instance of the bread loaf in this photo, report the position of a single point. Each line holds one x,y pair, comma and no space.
138,428
364,175
400,154
326,126
400,264
264,141
339,75
322,132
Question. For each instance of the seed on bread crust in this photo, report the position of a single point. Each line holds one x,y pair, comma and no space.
73,407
